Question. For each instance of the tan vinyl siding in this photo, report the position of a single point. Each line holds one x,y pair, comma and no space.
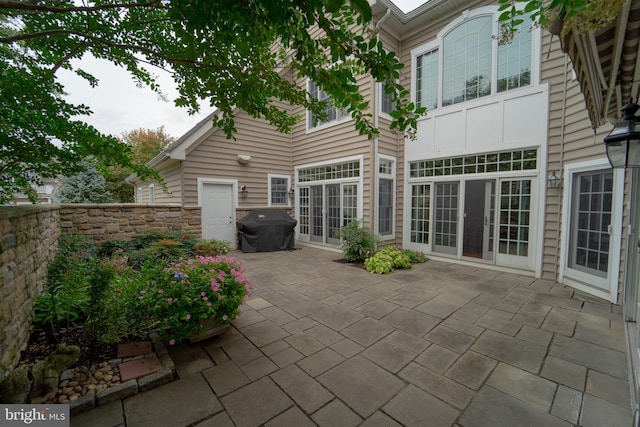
216,157
173,183
571,139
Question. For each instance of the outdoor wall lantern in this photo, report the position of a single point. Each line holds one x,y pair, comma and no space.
553,181
623,142
244,192
292,192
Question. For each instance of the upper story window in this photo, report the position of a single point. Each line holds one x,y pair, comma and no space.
333,114
152,193
386,102
466,62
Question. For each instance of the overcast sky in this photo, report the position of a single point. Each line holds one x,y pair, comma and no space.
119,106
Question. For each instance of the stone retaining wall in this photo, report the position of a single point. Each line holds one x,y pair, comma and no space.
123,221
28,242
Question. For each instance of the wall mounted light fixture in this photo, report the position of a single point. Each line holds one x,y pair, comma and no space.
244,191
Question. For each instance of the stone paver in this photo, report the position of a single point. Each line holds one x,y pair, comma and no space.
363,386
328,344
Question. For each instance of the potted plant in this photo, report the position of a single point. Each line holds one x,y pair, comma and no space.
199,297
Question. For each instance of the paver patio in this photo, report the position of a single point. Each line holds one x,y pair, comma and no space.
328,344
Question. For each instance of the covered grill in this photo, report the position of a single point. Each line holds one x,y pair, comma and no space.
266,230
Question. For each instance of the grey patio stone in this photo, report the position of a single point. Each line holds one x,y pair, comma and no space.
536,308
389,355
405,300
347,348
218,420
414,407
321,361
357,377
597,412
286,357
247,318
379,419
109,415
334,299
470,312
292,417
303,389
411,321
351,303
443,388
258,368
495,287
609,388
592,356
336,317
301,307
437,308
462,326
514,351
512,306
558,323
317,293
336,413
324,335
225,378
437,358
560,301
597,333
494,408
529,319
495,323
189,359
567,404
256,403
523,385
471,369
299,325
536,336
263,333
450,338
241,351
380,291
275,347
258,303
564,372
421,291
305,344
159,407
277,315
411,342
367,331
377,308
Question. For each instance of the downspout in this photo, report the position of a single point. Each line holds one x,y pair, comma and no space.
376,146
561,171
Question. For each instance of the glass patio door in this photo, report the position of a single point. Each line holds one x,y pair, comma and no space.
446,218
331,207
317,214
479,199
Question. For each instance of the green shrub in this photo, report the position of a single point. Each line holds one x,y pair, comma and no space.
211,247
387,260
356,241
415,257
66,298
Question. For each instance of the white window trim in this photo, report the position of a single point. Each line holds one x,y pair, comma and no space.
577,279
359,181
393,178
139,195
437,44
152,193
308,125
273,175
379,94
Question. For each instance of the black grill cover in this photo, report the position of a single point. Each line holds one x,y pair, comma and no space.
266,231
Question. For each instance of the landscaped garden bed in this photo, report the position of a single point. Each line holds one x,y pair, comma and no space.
97,297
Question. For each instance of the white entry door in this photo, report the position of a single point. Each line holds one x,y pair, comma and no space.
218,212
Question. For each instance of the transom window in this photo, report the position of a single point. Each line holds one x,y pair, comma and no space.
467,62
328,172
504,161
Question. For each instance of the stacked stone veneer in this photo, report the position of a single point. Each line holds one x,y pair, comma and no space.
123,221
29,241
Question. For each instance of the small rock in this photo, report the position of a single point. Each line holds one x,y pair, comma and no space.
108,377
98,375
73,383
63,398
77,389
91,387
63,384
73,397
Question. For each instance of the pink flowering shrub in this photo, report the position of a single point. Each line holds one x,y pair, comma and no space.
199,289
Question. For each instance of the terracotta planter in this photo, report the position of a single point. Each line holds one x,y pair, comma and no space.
211,328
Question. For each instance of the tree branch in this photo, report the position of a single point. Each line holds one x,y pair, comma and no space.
35,6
